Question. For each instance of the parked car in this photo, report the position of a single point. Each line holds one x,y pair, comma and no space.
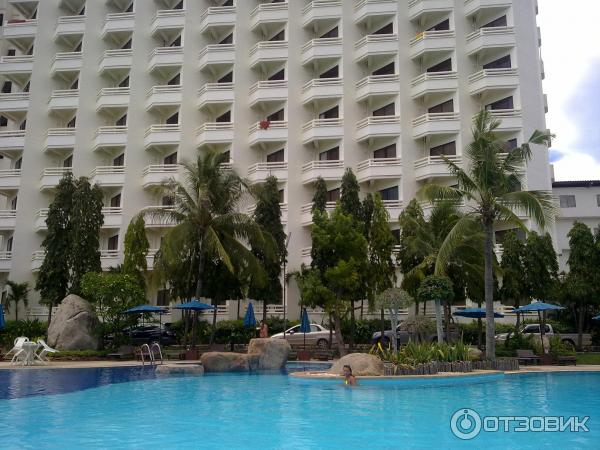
145,334
569,339
404,334
319,336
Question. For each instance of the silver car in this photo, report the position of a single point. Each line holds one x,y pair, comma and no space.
319,336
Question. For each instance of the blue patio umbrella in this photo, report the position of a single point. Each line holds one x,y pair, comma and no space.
249,319
304,324
2,324
540,308
475,313
197,306
141,309
593,318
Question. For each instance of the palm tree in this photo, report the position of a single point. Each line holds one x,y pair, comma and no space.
491,188
18,293
209,228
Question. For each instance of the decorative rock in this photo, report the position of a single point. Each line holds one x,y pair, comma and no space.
72,327
361,363
475,354
227,362
272,353
191,369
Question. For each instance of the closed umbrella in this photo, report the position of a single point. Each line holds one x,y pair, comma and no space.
249,319
141,309
304,324
194,305
2,323
540,308
476,313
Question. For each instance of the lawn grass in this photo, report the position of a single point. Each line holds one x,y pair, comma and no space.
588,358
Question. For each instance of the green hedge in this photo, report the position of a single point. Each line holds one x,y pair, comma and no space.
33,329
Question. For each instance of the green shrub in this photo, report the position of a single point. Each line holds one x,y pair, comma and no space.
517,342
33,329
75,354
363,330
415,353
558,347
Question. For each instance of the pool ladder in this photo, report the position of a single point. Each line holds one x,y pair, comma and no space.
151,353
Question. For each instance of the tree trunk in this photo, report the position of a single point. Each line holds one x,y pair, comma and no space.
542,330
447,320
438,322
362,306
394,322
338,332
352,326
49,315
518,324
16,311
382,336
479,332
490,331
580,318
424,308
264,317
214,324
330,330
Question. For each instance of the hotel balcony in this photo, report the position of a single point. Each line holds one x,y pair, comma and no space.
379,169
259,172
216,18
321,10
268,52
64,101
214,133
493,80
8,219
378,127
433,83
12,140
434,167
375,47
113,217
110,259
161,97
322,130
394,208
20,32
159,174
321,49
118,23
274,132
510,119
436,124
268,92
14,105
16,68
420,8
116,60
68,62
5,261
215,94
60,139
155,220
377,85
217,55
490,38
168,22
51,176
162,136
475,6
428,42
110,137
10,179
266,16
69,29
328,170
306,212
165,58
365,10
306,255
25,7
150,257
37,258
39,222
112,98
108,176
322,89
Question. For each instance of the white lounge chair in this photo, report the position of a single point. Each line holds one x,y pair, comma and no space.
17,349
42,355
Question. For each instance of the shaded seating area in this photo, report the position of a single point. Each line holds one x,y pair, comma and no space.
527,357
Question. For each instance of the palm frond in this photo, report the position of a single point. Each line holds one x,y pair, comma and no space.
459,233
539,205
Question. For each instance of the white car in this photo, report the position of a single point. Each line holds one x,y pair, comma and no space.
319,336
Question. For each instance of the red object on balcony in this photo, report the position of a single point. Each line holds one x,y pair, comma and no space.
264,124
16,21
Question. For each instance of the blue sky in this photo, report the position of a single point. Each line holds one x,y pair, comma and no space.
571,54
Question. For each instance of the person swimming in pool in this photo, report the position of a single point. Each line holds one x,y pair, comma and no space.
349,378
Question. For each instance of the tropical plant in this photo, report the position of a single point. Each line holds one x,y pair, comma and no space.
319,201
514,286
439,290
136,247
541,267
393,299
208,228
491,187
19,293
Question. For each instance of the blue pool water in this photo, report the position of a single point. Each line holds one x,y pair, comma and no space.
134,408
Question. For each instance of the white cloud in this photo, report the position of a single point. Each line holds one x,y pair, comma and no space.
576,166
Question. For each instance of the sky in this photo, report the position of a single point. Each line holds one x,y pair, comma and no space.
571,54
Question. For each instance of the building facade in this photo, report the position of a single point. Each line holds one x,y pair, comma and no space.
124,90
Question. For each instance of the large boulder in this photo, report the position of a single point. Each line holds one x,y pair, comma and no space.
475,354
73,324
361,364
272,353
228,362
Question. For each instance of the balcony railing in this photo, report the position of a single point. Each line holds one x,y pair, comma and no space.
266,51
379,168
12,139
318,129
268,13
217,54
376,45
434,82
493,37
321,10
217,16
375,85
322,88
493,79
328,170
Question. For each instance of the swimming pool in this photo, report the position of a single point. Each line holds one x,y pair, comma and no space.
133,408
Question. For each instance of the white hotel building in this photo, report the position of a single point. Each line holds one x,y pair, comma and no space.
122,90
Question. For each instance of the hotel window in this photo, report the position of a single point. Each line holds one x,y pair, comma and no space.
125,82
500,63
387,110
278,37
170,159
276,116
113,242
77,48
444,25
122,121
510,145
388,69
334,72
505,103
333,195
119,161
18,163
23,125
68,161
332,113
179,5
227,39
72,122
13,203
115,202
9,244
386,29
224,118
333,154
281,195
279,75
499,22
173,120
175,81
389,151
167,200
333,33
126,45
445,107
444,66
227,78
447,149
3,121
567,201
389,194
275,157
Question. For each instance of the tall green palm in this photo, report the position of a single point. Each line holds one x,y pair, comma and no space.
491,187
18,294
209,227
